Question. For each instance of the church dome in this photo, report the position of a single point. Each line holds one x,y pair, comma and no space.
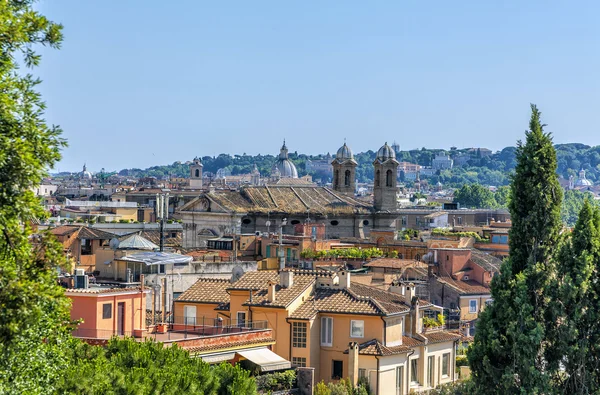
284,165
386,152
344,153
85,175
582,181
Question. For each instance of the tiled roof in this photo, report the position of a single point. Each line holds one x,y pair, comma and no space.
468,287
228,345
94,234
440,337
207,290
283,296
154,237
488,262
83,232
336,300
375,347
394,263
64,230
99,290
255,280
288,199
389,302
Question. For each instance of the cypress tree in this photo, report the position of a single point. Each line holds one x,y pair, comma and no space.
508,354
575,311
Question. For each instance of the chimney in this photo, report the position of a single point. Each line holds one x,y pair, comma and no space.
271,291
353,363
397,288
344,279
286,278
415,313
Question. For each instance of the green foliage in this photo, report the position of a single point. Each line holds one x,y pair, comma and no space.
457,388
392,254
572,205
277,381
34,314
507,355
322,389
475,196
573,340
128,366
354,252
429,322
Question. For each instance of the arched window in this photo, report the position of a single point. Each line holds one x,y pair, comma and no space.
377,178
336,178
197,173
388,178
347,178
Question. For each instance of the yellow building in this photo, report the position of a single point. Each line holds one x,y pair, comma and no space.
341,328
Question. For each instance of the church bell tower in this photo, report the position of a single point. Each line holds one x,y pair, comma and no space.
385,179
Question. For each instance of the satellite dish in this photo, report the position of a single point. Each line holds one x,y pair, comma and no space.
114,243
236,273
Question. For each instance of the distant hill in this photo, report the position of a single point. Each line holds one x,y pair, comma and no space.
494,169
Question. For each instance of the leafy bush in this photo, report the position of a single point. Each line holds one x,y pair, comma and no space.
277,381
123,221
356,253
126,366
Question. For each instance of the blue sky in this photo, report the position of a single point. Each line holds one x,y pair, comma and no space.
143,82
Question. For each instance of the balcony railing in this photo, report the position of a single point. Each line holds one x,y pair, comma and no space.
179,328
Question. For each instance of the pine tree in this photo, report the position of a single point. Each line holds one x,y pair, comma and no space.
508,354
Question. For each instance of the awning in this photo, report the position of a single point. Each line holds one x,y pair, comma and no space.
214,358
157,258
266,359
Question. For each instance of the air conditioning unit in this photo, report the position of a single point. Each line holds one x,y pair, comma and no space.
82,281
79,272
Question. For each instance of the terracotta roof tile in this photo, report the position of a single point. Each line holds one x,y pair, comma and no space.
283,296
440,337
207,290
375,347
255,280
488,262
228,344
394,263
288,199
465,287
390,302
100,290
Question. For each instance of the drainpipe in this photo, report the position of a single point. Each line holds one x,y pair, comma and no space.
378,380
384,330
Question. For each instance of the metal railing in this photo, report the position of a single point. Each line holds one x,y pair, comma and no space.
100,333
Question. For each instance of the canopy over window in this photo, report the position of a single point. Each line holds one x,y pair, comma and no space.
157,258
266,359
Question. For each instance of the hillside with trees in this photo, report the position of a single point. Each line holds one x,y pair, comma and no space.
494,169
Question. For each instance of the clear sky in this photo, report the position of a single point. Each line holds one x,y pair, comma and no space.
143,82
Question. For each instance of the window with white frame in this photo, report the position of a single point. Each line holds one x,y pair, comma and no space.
189,313
299,362
446,365
299,334
414,371
241,319
473,306
399,380
357,328
327,331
